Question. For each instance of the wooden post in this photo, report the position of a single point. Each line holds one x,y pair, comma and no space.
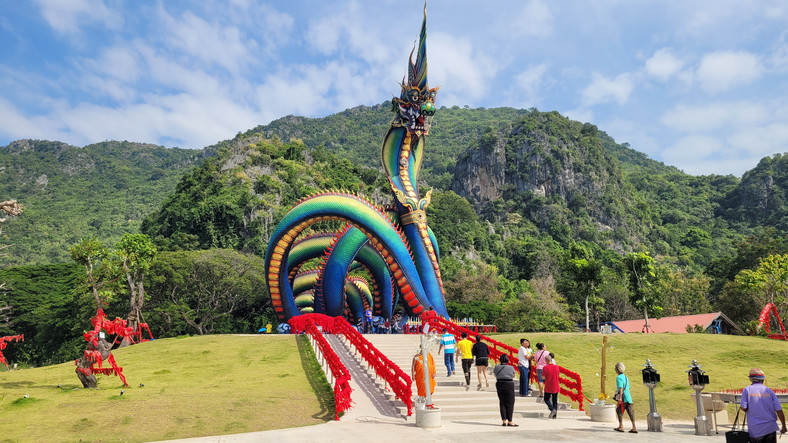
603,374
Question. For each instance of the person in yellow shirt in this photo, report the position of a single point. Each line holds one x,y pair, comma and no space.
465,353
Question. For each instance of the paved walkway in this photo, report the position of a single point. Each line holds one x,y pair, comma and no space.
358,426
374,418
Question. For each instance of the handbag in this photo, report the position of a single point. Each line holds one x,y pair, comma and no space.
741,436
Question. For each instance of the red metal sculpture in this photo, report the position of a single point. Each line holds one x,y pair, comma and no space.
4,343
99,348
764,319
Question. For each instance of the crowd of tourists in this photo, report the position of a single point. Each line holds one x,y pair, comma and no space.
758,401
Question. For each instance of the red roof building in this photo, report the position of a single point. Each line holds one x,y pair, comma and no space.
715,322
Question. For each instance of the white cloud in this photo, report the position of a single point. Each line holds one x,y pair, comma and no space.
581,115
120,63
736,166
721,71
533,19
308,90
68,16
691,151
639,138
277,26
603,90
163,71
181,119
779,59
530,82
14,125
713,116
761,141
703,155
461,68
210,43
349,33
663,65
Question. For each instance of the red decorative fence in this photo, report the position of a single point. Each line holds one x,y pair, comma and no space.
571,384
4,342
399,382
340,374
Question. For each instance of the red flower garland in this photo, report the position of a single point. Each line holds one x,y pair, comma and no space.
342,389
298,323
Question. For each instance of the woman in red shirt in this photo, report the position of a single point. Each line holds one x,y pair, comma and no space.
551,372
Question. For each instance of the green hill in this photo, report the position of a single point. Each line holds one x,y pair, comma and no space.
102,190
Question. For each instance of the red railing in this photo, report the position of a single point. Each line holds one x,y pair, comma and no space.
340,374
399,382
571,384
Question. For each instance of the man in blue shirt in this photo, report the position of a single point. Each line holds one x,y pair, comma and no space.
448,344
762,408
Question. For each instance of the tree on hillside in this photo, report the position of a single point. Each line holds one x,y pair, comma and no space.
768,282
136,252
540,309
583,277
738,303
641,270
683,294
99,273
748,253
11,209
477,284
209,289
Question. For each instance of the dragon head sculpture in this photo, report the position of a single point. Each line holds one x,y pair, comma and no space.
416,103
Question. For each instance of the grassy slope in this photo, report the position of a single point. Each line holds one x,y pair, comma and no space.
726,359
228,384
194,386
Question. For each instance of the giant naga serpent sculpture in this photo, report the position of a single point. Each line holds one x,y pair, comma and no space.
393,245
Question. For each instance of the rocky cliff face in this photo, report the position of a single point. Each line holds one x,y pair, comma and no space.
762,195
480,173
543,167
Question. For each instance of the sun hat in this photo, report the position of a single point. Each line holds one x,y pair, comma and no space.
757,374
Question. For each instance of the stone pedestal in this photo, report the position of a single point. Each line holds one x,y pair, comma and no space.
603,413
713,407
428,418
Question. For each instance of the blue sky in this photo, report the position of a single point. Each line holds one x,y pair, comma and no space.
699,85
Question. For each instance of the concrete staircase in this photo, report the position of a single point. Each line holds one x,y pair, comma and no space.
458,402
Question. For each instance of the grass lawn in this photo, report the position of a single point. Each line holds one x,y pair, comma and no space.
725,358
193,386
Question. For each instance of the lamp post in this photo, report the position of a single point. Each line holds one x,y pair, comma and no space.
698,380
650,379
